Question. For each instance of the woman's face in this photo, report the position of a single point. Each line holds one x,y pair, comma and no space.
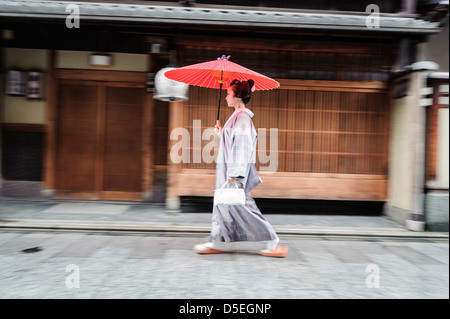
231,100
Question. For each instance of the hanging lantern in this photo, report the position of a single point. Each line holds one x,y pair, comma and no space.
169,90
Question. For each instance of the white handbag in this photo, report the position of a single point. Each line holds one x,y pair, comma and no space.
229,196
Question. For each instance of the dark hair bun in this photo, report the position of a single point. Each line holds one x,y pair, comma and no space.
243,89
251,83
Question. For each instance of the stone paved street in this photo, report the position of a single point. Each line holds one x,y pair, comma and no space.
141,266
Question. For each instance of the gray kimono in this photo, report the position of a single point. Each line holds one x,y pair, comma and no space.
236,158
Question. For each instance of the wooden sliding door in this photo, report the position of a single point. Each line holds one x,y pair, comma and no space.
99,140
76,138
122,169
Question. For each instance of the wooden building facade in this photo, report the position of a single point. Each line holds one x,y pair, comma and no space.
105,137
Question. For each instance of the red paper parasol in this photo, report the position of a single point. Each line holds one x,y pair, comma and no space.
218,74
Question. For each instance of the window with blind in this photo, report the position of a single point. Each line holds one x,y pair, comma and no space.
315,62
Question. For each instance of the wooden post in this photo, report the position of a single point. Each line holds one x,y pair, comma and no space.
50,132
149,133
148,147
100,139
175,120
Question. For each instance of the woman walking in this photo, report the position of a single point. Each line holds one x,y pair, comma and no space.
236,164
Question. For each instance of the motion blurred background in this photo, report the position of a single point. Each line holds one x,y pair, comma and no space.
361,114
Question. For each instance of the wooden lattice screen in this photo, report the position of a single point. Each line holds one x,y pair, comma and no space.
319,131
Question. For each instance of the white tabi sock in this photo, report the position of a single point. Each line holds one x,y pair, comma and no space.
271,244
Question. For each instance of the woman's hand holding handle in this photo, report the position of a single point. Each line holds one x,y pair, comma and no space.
218,128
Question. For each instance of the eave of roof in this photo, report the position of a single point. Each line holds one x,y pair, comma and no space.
152,13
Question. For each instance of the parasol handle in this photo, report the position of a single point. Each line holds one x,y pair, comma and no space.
220,98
